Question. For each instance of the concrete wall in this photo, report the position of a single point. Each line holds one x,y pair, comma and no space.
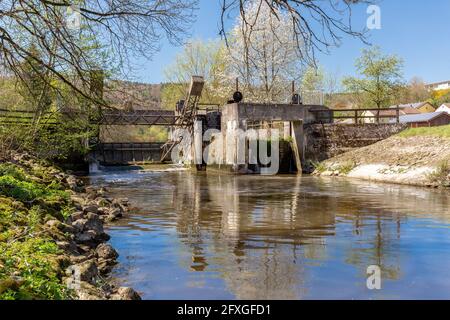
237,116
124,153
243,112
325,141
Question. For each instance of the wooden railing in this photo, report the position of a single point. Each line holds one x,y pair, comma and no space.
25,117
357,115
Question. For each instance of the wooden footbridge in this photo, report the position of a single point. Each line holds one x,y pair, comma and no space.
182,117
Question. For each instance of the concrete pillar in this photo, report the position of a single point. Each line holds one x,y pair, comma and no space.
197,156
286,130
298,144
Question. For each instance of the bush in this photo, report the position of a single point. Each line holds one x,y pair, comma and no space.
347,167
319,167
440,176
16,186
12,170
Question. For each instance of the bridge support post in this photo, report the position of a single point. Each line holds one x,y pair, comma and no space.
298,145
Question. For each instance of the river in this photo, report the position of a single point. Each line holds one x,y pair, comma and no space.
208,236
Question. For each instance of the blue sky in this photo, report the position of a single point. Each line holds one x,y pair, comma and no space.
416,30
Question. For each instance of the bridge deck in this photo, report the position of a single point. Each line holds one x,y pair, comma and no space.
138,117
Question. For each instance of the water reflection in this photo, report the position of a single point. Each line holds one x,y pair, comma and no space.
251,237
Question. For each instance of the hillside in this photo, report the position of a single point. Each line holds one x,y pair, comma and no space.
120,94
415,156
135,95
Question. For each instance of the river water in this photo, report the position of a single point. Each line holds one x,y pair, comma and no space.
207,236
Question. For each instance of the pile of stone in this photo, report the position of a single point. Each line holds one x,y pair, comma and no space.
86,255
91,258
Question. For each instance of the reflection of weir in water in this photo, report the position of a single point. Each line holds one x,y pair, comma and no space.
269,237
270,233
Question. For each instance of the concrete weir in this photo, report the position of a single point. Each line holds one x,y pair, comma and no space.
252,138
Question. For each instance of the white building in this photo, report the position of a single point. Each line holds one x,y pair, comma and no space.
444,85
444,108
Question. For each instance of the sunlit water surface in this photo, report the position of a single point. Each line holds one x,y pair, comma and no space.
198,236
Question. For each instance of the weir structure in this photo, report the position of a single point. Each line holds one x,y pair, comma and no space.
191,121
206,139
308,133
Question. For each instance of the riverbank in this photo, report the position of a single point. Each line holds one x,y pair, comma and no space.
419,156
52,240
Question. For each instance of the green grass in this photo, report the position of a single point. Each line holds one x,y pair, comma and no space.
346,168
441,131
319,167
30,267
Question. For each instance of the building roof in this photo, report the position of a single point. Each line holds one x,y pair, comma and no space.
409,110
444,108
437,83
393,113
415,105
421,117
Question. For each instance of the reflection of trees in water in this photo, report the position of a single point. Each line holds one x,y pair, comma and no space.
229,218
261,231
377,242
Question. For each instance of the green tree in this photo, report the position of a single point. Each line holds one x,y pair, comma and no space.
198,58
34,84
313,79
381,77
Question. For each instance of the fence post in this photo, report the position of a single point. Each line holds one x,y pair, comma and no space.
356,116
397,111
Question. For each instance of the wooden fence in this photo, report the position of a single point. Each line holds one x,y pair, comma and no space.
360,115
25,117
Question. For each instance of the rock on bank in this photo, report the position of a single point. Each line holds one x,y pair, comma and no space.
422,160
49,219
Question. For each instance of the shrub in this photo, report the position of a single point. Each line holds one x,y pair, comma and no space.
12,170
319,167
347,167
441,175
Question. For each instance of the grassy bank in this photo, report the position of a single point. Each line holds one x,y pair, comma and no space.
418,156
442,131
52,236
30,264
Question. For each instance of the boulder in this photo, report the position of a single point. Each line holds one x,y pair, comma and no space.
93,223
109,218
79,224
85,271
116,212
53,224
92,208
89,230
68,246
91,238
80,258
77,215
125,293
102,191
102,211
106,252
105,267
87,291
77,199
101,202
72,182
